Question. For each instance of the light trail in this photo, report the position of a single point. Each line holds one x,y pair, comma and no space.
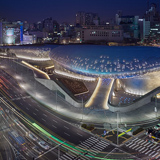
56,140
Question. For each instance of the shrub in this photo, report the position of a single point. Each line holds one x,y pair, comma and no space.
89,127
84,126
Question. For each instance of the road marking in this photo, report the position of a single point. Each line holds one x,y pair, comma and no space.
21,103
36,109
34,113
45,115
43,120
27,108
66,127
66,134
29,104
79,134
54,120
54,126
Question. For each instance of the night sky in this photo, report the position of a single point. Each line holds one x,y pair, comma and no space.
65,10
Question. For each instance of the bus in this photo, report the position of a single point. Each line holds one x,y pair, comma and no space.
16,140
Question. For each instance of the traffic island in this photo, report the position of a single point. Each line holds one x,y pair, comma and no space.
111,136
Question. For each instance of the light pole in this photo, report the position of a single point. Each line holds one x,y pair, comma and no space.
155,109
117,128
82,108
56,99
118,124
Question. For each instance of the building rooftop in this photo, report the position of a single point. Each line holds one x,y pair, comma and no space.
97,60
107,60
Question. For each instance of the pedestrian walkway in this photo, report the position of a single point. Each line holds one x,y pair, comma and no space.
92,147
143,147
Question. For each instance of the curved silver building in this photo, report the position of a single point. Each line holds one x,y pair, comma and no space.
124,77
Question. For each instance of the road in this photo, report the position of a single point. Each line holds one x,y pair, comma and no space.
58,126
42,115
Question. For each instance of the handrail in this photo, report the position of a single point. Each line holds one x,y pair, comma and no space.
136,100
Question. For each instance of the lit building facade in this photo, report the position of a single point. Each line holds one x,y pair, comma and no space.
130,26
144,27
83,18
12,33
29,39
102,33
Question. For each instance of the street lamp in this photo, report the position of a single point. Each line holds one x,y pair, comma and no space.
117,127
82,108
155,109
118,124
56,99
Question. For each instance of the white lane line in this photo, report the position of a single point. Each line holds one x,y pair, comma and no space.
66,127
45,115
36,109
29,104
27,108
79,134
21,103
34,113
43,120
66,134
54,120
54,126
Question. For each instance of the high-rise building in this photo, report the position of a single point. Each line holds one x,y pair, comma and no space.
144,27
152,14
83,18
130,26
0,32
39,26
25,26
12,32
80,18
48,25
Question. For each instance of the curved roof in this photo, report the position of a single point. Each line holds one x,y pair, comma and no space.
102,60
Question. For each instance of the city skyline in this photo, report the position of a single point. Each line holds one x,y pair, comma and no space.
64,11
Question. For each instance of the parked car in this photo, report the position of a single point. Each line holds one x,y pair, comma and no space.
43,145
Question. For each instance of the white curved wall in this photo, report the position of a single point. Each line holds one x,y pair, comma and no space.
53,86
142,84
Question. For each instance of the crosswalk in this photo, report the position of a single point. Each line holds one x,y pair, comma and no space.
144,147
92,147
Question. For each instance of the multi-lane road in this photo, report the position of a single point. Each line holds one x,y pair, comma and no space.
95,147
44,116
